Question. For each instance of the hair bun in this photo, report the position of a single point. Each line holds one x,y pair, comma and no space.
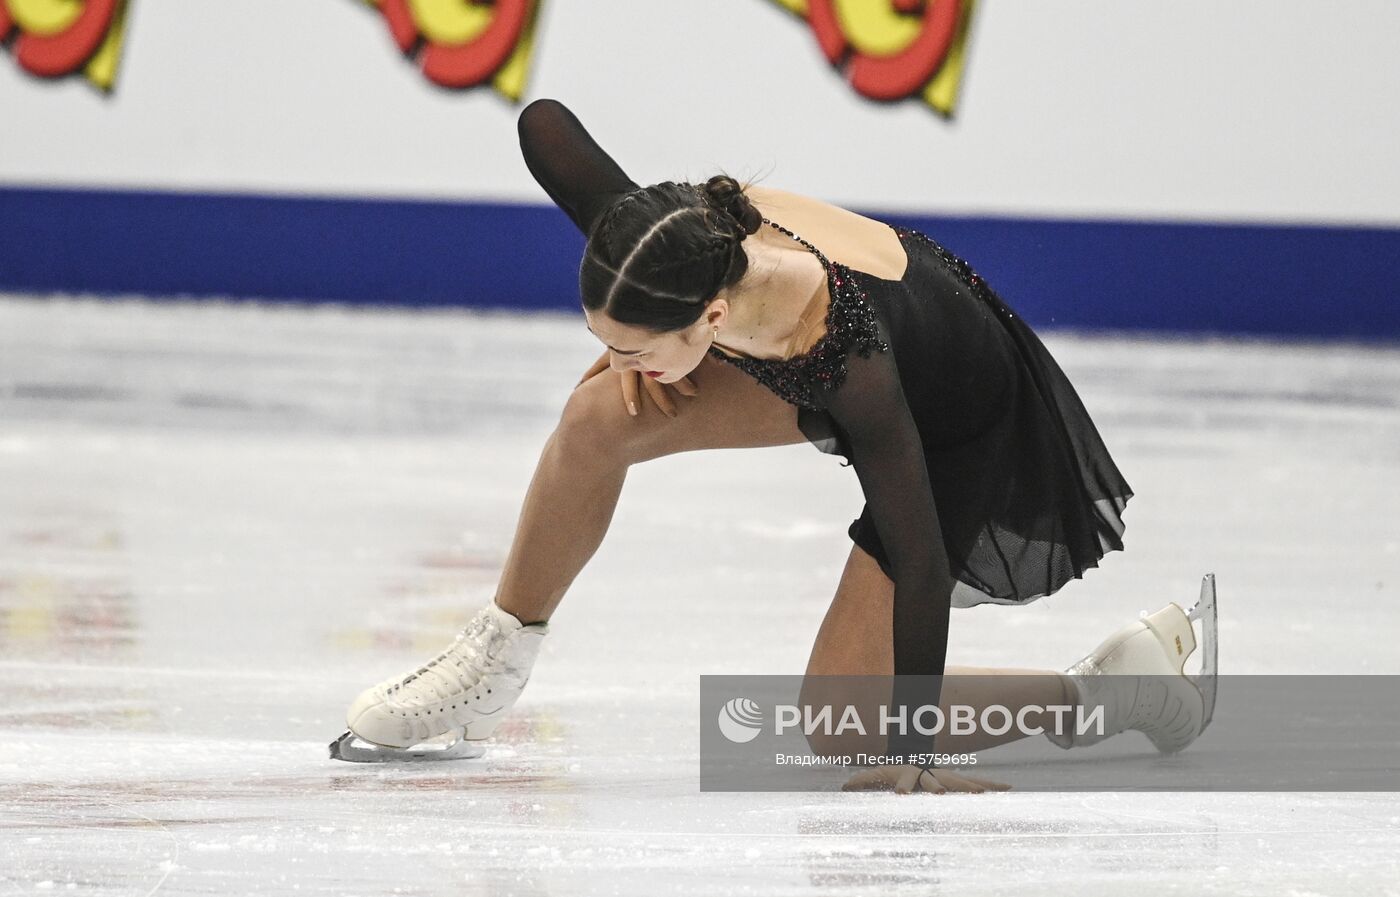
727,195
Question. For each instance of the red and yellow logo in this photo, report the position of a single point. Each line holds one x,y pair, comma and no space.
893,49
56,38
463,43
887,49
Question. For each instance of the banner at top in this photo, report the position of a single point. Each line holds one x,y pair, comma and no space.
459,44
894,49
887,50
56,38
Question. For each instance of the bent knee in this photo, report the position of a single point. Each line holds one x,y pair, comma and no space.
593,422
838,714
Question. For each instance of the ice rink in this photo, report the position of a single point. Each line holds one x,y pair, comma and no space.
218,523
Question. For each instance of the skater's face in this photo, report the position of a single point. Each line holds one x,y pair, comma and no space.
667,356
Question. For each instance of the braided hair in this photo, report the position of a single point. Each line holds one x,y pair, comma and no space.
658,255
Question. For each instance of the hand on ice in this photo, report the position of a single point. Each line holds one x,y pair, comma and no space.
630,379
905,779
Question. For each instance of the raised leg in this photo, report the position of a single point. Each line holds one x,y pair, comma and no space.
574,492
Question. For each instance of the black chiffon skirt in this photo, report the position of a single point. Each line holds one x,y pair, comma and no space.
1028,496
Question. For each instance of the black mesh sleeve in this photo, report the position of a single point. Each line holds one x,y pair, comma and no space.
572,168
888,457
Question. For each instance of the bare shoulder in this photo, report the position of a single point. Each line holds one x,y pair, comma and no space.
762,194
842,235
780,201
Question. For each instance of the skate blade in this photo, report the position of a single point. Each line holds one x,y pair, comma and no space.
354,749
1205,610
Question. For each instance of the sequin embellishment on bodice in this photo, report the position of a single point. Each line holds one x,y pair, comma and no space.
850,324
961,269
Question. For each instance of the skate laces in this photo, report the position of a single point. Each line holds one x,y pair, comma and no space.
454,671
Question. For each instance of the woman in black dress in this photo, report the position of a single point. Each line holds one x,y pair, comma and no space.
781,319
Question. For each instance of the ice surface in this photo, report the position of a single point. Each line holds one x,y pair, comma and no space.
219,522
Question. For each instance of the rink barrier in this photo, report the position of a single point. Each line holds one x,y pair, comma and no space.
1301,280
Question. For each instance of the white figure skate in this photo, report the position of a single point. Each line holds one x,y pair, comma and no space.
457,698
1138,676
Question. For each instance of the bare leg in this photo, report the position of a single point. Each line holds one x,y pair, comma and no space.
574,492
854,640
567,510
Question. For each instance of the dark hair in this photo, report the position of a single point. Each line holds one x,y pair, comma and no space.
657,256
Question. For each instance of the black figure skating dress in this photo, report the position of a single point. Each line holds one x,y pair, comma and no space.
965,434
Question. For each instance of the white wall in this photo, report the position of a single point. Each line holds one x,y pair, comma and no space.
1258,110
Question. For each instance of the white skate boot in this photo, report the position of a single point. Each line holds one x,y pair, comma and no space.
1138,676
458,697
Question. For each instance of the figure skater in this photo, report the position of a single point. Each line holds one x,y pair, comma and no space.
777,319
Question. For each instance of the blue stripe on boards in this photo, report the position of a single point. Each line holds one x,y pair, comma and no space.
1293,280
364,251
